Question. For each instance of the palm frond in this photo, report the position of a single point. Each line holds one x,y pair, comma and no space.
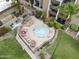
69,8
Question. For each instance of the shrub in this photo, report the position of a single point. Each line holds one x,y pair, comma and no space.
4,30
51,22
43,15
74,27
45,44
40,14
52,57
42,56
58,25
54,23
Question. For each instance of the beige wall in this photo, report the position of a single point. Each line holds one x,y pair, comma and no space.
45,4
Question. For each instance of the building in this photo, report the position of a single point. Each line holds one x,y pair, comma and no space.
49,6
6,10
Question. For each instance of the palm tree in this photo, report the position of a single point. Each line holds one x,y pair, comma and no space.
18,6
69,9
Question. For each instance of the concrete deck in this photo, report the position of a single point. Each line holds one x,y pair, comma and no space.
31,34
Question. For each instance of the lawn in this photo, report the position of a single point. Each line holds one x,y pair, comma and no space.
10,49
65,47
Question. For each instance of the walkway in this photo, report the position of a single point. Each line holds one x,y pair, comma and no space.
72,34
75,20
8,35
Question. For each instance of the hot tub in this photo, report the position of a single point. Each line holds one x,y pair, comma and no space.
41,31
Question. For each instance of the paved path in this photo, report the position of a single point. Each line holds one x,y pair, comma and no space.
8,35
75,20
72,34
56,34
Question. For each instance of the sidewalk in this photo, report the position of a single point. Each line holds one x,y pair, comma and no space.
8,35
72,34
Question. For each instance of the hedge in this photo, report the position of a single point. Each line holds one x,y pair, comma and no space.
56,24
4,30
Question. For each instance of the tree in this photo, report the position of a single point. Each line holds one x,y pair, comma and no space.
18,6
41,15
69,9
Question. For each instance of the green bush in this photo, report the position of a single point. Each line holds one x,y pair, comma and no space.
40,14
58,25
43,15
74,27
54,23
51,22
4,30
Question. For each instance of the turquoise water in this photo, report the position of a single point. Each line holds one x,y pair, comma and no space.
41,31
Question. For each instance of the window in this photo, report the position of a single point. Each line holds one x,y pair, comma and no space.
54,7
36,3
39,3
55,3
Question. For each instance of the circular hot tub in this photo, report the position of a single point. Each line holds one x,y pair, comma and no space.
41,31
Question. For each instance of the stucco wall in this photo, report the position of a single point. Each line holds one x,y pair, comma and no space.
45,4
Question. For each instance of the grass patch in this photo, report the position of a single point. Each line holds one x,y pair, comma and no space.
67,47
10,49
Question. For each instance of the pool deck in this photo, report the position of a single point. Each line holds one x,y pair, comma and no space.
30,24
